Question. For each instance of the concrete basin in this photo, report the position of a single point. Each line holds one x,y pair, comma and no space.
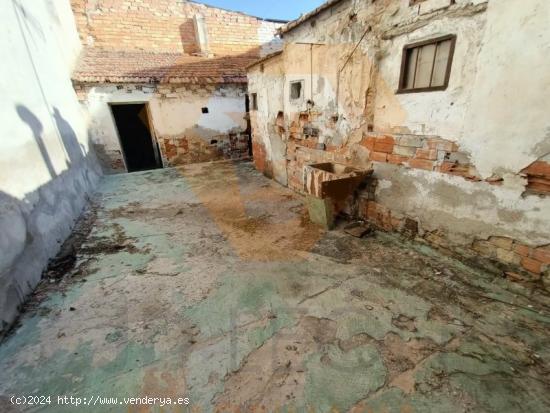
328,185
333,180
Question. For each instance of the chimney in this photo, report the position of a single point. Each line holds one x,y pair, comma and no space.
201,35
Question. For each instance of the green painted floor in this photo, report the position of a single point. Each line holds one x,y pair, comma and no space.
208,282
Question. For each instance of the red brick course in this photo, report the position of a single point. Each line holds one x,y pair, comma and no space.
538,177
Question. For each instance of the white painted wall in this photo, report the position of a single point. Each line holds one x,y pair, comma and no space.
507,124
267,38
46,168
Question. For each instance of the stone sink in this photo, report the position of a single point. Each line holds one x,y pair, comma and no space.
333,180
328,185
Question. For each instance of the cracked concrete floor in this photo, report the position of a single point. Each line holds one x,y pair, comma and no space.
208,282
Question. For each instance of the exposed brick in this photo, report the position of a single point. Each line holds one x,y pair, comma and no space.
379,156
539,168
446,167
522,250
430,154
542,254
421,164
397,159
531,265
440,144
384,144
383,147
168,26
368,142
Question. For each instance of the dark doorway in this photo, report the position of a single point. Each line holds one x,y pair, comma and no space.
248,124
140,150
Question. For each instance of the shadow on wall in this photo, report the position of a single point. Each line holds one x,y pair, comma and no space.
33,228
68,136
73,148
28,20
37,130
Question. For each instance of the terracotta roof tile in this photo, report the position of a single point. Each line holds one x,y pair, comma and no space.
108,66
264,59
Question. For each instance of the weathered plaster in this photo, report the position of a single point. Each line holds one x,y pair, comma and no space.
437,201
175,110
490,121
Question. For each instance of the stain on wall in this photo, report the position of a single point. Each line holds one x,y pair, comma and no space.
455,174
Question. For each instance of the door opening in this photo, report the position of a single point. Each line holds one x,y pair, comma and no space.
138,146
248,124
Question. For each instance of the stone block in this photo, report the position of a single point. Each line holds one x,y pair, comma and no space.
411,140
460,157
485,248
502,242
507,256
408,151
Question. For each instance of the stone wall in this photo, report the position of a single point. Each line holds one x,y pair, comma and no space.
167,25
184,133
466,168
47,167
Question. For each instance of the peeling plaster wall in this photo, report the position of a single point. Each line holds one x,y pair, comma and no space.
47,168
183,132
454,162
268,137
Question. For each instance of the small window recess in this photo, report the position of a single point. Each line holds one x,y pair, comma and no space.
204,110
253,101
297,90
426,66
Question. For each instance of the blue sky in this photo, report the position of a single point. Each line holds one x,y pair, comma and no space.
274,9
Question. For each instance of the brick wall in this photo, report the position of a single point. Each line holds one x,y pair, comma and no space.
182,150
515,259
167,25
538,178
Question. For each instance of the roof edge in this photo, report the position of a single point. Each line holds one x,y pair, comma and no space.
265,19
304,17
264,59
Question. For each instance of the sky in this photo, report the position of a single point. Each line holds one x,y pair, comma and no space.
270,9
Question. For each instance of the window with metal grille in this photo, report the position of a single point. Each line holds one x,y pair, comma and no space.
426,66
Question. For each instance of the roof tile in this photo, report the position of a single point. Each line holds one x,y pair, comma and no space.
111,66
